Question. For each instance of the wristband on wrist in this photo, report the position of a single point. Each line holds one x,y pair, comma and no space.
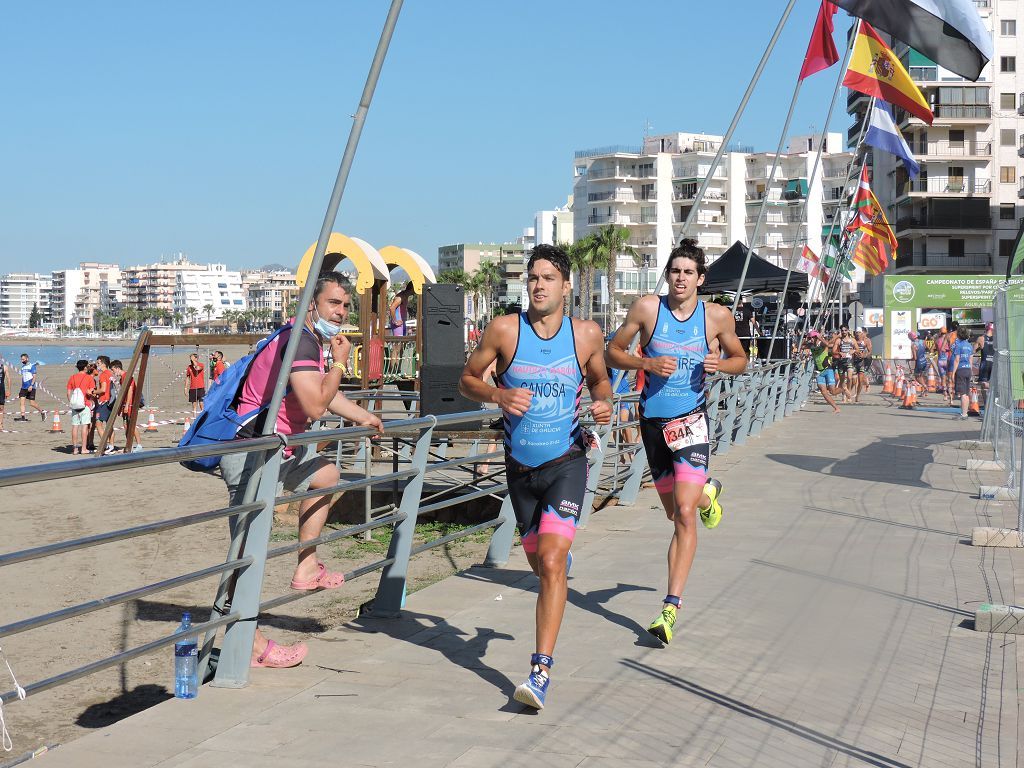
341,367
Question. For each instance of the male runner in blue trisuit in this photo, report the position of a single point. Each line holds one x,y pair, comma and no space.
543,358
681,337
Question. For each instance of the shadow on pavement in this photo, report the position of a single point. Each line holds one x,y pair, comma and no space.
125,704
897,460
735,705
151,610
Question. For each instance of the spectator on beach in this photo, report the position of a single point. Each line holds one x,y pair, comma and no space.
81,387
195,383
101,413
219,366
127,385
312,393
398,311
29,386
3,391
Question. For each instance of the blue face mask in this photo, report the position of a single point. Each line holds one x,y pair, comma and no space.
325,328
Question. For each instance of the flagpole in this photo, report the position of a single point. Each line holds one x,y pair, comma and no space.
718,156
767,193
829,293
814,170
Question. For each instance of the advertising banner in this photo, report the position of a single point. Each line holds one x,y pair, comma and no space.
874,317
901,323
931,321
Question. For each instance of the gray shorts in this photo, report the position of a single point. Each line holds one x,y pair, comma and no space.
296,472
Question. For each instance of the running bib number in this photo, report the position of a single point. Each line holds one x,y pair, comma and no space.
685,432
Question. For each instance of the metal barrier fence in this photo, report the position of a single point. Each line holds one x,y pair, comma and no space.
1003,417
739,408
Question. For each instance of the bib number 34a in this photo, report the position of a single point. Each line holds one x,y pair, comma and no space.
686,431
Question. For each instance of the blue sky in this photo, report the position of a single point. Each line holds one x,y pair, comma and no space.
135,130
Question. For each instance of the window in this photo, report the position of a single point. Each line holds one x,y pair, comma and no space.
222,285
1007,137
1007,63
1006,212
224,301
1006,247
1008,27
238,302
956,248
1007,174
1007,101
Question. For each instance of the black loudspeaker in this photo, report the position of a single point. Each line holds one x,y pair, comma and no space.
439,393
442,321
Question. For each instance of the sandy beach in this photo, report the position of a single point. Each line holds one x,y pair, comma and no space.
53,511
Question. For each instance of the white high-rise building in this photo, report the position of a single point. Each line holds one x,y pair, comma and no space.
961,215
651,190
209,290
270,290
79,294
20,292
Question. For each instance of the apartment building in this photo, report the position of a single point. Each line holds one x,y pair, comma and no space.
208,291
652,188
154,286
272,290
20,293
961,214
79,295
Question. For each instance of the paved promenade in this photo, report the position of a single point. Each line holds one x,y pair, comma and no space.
828,622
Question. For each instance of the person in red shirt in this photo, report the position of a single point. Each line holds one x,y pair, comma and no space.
81,387
195,383
219,366
103,401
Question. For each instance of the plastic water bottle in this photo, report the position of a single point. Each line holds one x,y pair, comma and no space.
186,658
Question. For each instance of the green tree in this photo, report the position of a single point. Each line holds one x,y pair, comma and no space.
453,277
579,254
35,317
192,313
487,277
609,242
208,309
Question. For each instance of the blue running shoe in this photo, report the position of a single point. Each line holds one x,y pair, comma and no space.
568,563
532,692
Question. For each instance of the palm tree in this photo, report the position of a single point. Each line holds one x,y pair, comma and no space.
487,276
192,313
609,242
579,254
208,309
176,318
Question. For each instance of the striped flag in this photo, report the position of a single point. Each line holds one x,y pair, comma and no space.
949,32
883,134
810,264
875,70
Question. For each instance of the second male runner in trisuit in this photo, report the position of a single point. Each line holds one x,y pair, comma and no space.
682,338
543,358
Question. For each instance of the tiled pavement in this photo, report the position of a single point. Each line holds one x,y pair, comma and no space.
827,623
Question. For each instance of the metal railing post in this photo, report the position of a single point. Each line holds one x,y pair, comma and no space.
631,487
500,548
595,464
782,392
236,653
744,411
391,590
728,422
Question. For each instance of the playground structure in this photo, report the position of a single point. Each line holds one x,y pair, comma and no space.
378,357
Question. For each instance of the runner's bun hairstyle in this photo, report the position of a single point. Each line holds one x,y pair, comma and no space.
551,253
687,249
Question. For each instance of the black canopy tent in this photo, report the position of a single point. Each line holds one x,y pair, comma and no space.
762,276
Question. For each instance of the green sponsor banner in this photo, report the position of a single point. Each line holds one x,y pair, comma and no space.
967,316
947,291
1015,322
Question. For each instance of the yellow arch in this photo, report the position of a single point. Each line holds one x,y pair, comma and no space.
414,265
368,262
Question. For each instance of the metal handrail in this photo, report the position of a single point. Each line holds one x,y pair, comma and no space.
739,407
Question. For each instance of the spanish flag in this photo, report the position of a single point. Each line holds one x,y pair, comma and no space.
875,70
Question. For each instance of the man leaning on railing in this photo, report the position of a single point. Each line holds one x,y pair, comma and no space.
311,393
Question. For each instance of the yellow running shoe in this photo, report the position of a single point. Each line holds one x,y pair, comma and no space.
661,627
712,516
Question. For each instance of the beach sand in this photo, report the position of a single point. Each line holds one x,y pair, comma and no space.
57,510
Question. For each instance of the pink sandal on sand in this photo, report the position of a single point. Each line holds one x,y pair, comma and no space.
324,579
277,656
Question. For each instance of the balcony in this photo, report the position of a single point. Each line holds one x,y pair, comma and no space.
940,149
981,262
923,74
618,197
1020,187
618,218
962,221
1020,104
947,185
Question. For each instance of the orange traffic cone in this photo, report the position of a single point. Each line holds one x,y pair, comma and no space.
908,395
56,427
888,385
900,387
186,426
151,424
974,407
933,380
